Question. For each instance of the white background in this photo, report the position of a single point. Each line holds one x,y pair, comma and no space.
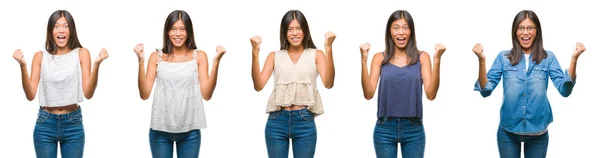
458,123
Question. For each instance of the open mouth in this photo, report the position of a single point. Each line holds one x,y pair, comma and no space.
526,39
295,39
178,40
401,40
61,38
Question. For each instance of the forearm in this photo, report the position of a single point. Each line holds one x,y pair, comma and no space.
212,81
26,83
256,71
92,82
367,88
434,83
330,67
573,68
142,81
482,78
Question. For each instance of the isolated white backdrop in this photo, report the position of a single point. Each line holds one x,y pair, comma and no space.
459,123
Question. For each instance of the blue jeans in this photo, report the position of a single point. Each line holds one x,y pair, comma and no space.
66,129
509,145
297,125
409,132
188,144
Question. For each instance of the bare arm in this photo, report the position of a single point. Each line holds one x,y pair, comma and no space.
30,83
482,77
208,83
369,81
260,78
573,66
325,64
90,79
145,79
431,78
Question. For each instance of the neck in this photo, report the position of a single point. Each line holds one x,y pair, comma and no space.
180,50
527,50
400,52
62,50
296,49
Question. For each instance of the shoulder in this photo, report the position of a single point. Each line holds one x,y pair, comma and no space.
550,54
83,51
200,55
378,58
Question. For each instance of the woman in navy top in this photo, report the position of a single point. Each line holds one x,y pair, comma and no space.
525,70
403,70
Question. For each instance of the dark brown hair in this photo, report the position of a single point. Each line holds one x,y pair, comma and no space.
285,23
73,40
537,48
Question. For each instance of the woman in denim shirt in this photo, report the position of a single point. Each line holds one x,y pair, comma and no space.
526,69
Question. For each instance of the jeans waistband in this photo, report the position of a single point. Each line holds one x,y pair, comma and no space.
398,118
291,112
47,115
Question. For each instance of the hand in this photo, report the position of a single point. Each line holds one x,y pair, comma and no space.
18,55
579,49
101,56
478,50
439,50
329,37
220,52
255,40
364,51
139,51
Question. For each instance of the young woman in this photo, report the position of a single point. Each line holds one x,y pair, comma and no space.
62,72
295,100
403,71
182,80
525,69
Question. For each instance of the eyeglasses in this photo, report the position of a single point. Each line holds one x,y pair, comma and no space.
529,29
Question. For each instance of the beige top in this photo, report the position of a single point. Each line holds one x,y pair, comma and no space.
295,84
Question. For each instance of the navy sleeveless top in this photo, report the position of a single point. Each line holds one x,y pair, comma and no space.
400,91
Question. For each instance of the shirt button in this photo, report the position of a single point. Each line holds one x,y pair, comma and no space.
525,94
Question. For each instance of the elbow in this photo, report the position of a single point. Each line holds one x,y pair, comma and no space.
431,98
206,97
144,97
329,86
368,97
88,96
30,98
258,88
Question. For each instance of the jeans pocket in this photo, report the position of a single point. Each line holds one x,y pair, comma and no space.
76,119
380,121
416,121
273,115
40,120
308,116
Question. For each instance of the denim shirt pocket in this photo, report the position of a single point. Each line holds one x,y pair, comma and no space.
540,72
511,72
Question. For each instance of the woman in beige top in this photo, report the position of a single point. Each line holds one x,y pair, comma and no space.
295,100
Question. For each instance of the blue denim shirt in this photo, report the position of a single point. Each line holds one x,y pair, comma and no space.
525,106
